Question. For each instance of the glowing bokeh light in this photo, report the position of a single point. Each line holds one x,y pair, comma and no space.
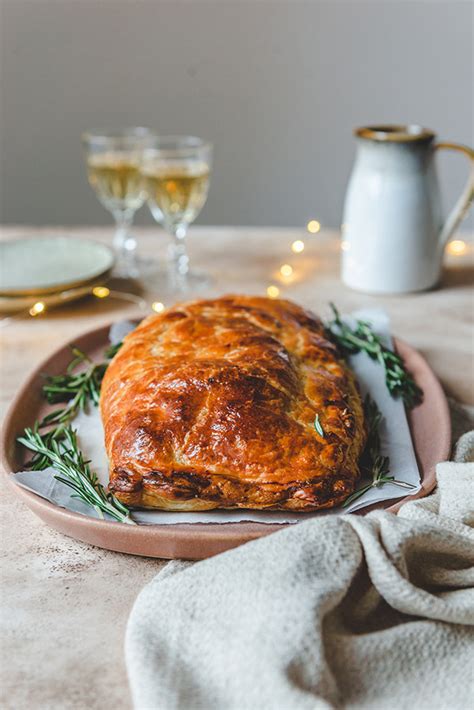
273,291
286,270
37,308
457,247
313,226
158,307
298,246
101,291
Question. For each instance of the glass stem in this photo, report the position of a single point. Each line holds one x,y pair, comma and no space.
125,244
178,255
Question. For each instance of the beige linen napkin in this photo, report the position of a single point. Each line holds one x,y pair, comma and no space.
337,612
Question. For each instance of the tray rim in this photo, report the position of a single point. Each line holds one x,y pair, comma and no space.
133,539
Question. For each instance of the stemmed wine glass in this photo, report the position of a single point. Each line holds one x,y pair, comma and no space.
177,172
114,170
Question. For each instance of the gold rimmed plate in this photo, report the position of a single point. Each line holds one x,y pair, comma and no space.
14,304
43,266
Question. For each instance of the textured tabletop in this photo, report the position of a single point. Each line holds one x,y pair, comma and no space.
65,604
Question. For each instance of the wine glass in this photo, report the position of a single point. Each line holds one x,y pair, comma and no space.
177,172
114,171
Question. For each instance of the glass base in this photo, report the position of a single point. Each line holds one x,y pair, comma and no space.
189,283
137,268
169,288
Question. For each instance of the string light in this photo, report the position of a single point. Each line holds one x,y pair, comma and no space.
158,307
457,247
101,291
42,307
273,291
104,292
37,308
298,246
313,226
286,270
345,246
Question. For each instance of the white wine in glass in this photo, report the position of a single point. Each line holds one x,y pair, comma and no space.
177,173
179,191
117,180
114,162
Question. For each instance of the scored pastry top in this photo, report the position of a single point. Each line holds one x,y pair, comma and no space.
212,404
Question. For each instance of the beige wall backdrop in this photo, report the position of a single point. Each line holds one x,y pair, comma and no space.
277,86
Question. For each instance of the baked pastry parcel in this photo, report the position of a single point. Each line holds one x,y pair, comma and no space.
212,404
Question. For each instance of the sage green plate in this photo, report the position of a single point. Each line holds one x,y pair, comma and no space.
46,265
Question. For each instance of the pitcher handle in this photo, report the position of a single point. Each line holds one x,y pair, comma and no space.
461,208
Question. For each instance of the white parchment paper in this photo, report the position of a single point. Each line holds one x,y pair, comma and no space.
395,439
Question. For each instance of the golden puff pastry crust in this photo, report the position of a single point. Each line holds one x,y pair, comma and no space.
212,404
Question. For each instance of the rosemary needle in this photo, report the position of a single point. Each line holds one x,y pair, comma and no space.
372,462
318,427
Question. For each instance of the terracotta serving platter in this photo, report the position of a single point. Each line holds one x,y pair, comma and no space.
429,425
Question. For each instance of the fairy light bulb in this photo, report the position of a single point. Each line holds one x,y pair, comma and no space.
101,291
273,291
313,226
286,270
37,308
158,307
297,247
457,247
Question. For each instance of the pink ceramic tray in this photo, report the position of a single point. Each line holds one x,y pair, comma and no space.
429,424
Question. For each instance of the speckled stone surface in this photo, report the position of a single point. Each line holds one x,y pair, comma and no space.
65,604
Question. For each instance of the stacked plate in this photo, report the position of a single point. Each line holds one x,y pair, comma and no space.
52,270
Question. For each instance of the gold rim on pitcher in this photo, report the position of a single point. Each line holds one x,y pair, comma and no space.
393,133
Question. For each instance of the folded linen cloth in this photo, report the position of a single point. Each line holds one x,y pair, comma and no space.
338,612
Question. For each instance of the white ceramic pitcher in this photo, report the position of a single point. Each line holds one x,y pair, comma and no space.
393,231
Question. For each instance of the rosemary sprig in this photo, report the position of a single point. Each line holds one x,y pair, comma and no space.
372,461
362,338
112,350
60,450
318,426
58,446
75,388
